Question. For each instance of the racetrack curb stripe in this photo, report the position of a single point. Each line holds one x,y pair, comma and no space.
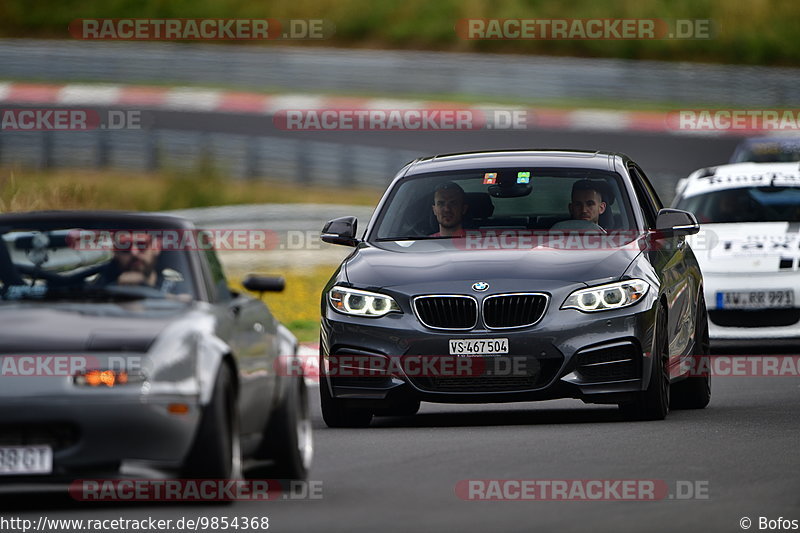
212,100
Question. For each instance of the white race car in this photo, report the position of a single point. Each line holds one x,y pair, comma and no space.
748,249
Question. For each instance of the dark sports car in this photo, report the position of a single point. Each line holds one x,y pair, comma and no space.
122,355
514,276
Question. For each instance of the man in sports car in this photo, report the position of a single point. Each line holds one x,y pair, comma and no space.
168,386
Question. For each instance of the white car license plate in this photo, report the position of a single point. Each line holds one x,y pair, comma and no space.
26,460
774,299
478,346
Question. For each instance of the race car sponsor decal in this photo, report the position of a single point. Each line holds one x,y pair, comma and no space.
790,177
757,239
773,179
762,244
752,247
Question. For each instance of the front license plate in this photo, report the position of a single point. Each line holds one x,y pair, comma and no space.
775,299
16,460
478,346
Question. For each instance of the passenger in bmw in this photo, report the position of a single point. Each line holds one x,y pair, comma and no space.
449,207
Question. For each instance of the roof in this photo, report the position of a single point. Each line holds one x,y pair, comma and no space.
740,175
514,158
788,140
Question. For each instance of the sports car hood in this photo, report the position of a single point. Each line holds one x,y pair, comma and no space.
747,247
433,265
27,327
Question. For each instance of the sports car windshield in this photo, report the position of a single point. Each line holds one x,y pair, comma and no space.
784,151
746,204
79,264
489,199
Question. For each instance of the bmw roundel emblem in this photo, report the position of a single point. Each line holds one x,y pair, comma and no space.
480,286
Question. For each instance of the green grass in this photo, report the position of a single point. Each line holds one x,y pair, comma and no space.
298,305
750,32
305,330
26,190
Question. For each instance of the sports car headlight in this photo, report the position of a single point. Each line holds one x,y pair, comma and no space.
605,297
361,303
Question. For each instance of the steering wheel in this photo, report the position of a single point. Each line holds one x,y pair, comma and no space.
577,225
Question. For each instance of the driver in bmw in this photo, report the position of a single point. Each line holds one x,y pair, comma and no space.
449,207
587,202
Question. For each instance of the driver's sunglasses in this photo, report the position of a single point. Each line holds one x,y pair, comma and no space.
126,242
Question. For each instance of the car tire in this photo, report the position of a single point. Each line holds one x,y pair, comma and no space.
334,411
216,452
695,392
289,435
653,403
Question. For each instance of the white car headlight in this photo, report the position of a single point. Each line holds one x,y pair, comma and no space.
361,303
605,297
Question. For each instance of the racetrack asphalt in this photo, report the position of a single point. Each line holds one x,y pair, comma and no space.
739,454
401,473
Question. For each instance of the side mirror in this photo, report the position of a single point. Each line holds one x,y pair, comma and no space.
259,284
676,223
340,231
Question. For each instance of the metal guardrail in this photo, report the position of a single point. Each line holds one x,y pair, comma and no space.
232,156
281,68
229,156
318,70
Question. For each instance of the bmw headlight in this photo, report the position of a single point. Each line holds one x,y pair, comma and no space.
361,303
605,297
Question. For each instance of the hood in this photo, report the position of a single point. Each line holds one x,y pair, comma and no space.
76,328
756,247
433,265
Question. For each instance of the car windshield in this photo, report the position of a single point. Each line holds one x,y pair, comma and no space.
745,204
441,204
778,151
85,263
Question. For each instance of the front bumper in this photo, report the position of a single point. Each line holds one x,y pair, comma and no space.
98,436
758,325
598,358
